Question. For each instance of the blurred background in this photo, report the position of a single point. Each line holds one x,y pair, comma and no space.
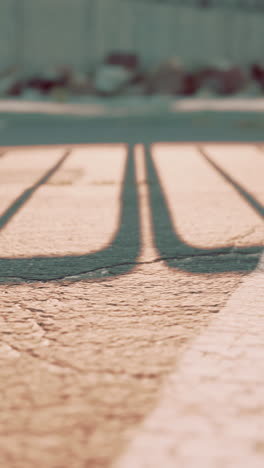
72,50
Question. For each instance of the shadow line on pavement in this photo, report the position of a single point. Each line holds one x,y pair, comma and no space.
120,254
20,201
252,202
182,256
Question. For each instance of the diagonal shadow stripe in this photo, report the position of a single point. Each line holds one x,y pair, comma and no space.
121,253
177,253
28,193
251,201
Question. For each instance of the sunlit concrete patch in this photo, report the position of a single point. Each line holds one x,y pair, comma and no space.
210,412
245,163
120,253
76,212
27,165
217,216
21,168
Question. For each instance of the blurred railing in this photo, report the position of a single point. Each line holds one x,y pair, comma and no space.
80,32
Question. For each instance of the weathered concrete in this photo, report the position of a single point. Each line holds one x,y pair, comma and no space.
83,360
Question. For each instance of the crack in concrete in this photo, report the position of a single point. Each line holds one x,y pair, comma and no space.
105,269
33,353
245,235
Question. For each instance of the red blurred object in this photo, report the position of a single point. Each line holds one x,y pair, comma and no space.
223,80
129,61
50,80
42,84
257,73
16,88
191,82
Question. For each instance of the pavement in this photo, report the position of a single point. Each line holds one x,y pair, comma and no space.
132,119
131,278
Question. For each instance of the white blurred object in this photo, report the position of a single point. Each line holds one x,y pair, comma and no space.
33,95
110,78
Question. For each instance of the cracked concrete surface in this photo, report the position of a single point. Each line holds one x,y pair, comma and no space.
210,413
77,386
84,360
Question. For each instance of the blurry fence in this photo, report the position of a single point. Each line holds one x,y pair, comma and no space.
81,32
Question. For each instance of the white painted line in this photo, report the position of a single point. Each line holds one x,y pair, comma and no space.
223,104
137,106
211,411
53,108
